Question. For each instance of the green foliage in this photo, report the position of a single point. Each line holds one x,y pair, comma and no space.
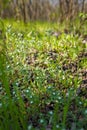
9,111
42,77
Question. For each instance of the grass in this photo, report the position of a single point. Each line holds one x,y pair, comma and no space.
43,76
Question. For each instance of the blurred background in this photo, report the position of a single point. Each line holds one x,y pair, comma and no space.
43,10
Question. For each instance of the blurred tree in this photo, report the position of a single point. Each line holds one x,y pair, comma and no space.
83,5
42,9
68,9
29,5
3,5
24,10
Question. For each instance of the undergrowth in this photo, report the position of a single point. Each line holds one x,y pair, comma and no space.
43,76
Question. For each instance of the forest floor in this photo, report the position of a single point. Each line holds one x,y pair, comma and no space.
47,66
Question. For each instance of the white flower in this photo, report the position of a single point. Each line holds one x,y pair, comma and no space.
13,92
80,103
27,91
31,96
67,94
63,77
59,98
17,84
57,126
50,112
41,120
8,66
49,87
54,93
31,102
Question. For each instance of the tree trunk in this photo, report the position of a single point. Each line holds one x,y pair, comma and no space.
24,11
83,4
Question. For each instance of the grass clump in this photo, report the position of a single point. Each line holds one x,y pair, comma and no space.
10,110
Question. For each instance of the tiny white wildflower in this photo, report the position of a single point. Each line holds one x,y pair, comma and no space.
31,102
7,66
63,77
13,92
17,62
41,120
50,112
59,98
80,103
54,93
67,94
49,87
27,91
31,96
17,84
57,126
